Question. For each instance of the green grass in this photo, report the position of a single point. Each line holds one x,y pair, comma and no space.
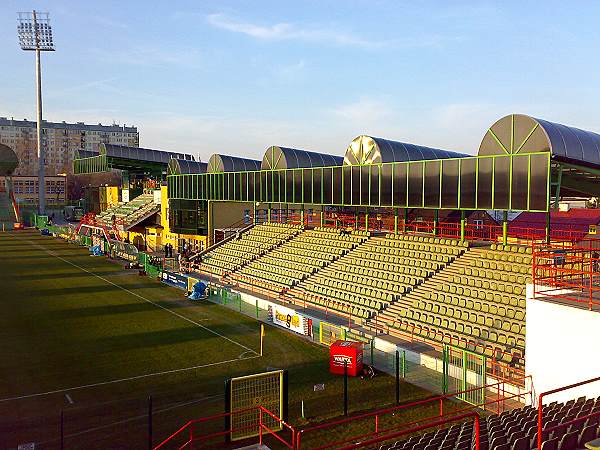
82,326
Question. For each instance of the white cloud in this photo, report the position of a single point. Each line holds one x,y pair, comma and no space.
288,31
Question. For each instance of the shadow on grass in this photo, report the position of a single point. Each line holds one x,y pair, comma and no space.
107,310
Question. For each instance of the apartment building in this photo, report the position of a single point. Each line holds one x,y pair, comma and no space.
25,188
61,140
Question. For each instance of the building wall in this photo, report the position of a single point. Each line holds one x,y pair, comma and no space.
25,188
61,140
561,347
167,236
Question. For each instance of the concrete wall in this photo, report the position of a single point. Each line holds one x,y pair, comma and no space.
561,347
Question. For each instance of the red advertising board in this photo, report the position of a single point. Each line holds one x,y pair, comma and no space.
349,352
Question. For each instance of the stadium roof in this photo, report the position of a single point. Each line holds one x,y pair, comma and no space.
141,154
8,160
575,153
181,166
373,150
293,158
218,163
122,157
85,154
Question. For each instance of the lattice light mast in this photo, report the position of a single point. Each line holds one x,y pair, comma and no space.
35,33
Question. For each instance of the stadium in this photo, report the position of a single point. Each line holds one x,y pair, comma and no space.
310,301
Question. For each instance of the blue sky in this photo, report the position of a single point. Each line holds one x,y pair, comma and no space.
235,77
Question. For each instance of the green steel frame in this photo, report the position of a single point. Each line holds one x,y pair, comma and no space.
407,184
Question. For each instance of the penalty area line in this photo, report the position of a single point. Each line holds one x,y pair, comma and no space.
187,319
121,380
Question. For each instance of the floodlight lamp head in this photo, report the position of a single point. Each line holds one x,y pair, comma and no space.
35,32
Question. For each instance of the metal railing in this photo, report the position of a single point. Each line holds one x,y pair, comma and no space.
503,395
188,435
541,432
568,272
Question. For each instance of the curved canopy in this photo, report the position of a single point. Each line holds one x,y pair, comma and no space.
8,160
293,158
181,166
519,133
374,150
218,163
141,154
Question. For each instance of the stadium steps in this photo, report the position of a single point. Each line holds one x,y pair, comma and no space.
376,274
230,257
216,245
301,257
130,213
477,302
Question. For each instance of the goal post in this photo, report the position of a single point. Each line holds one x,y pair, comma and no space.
243,397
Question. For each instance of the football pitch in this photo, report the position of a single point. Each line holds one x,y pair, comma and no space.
82,336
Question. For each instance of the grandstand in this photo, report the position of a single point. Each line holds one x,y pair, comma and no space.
341,243
247,247
517,429
128,214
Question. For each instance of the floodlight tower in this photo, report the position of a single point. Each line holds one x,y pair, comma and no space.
35,33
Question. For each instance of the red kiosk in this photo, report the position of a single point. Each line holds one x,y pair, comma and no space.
349,352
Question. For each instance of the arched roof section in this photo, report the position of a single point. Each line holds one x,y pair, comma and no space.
519,133
293,158
141,154
373,150
218,163
185,166
8,160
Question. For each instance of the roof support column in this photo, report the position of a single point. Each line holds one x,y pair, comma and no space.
210,224
302,216
395,220
405,221
367,219
254,211
321,219
463,221
504,227
436,221
269,213
548,227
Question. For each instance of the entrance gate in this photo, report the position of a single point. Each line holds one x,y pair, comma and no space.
464,372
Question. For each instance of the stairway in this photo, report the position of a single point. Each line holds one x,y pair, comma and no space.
394,310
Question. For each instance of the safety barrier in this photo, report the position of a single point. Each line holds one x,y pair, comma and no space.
568,272
503,366
436,424
543,432
188,436
383,426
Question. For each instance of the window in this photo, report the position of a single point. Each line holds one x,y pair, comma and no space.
478,224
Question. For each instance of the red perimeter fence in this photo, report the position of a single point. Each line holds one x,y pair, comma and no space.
568,272
194,433
204,431
389,223
543,432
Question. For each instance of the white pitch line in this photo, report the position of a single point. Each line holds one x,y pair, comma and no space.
121,380
69,399
145,299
